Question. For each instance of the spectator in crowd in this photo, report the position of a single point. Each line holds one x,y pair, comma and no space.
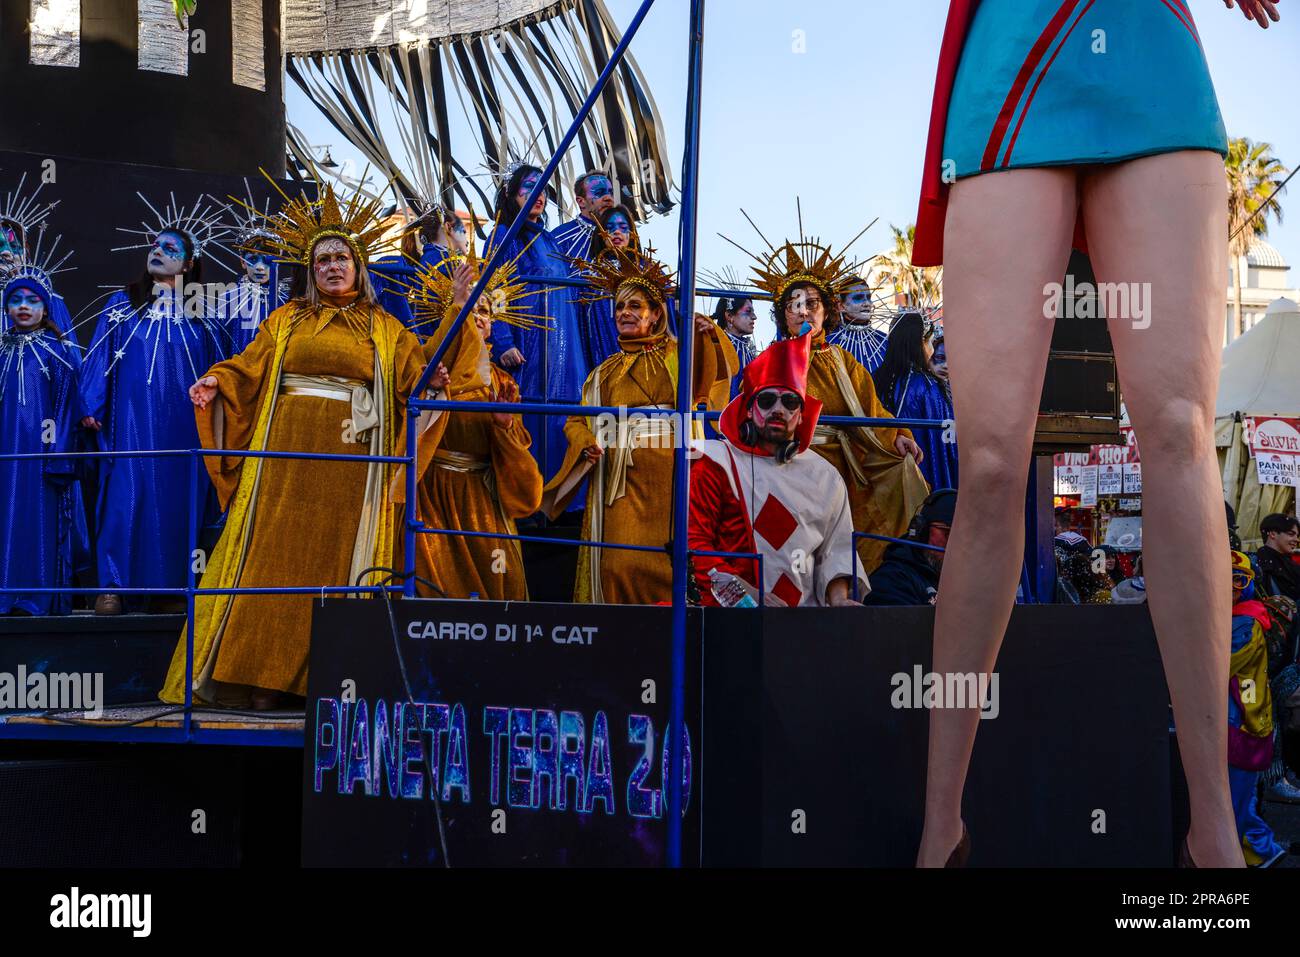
1250,715
909,575
1131,591
1277,574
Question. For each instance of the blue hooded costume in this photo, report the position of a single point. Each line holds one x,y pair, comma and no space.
136,377
554,366
247,305
922,396
42,522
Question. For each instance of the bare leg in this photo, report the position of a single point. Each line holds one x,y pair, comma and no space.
1160,224
1007,237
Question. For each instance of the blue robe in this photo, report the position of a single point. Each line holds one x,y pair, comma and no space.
246,307
391,277
137,373
42,526
554,368
865,344
746,353
920,395
595,318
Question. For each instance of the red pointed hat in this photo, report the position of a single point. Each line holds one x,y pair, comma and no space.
783,364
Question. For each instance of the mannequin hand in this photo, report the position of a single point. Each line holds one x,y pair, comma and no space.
703,323
204,391
905,446
462,280
1261,11
512,358
592,453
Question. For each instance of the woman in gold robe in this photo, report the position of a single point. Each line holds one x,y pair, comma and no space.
328,373
482,477
630,497
878,465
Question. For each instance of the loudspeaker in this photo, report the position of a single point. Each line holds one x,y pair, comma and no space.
1081,379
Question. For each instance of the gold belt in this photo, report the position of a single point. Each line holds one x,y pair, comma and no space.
353,391
460,461
830,434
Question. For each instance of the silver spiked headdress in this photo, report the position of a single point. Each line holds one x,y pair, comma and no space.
203,223
25,212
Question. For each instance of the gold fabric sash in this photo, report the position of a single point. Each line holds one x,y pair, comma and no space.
633,434
365,414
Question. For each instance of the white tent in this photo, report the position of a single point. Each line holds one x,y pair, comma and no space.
1258,377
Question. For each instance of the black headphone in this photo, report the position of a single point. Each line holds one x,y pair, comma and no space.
918,522
784,452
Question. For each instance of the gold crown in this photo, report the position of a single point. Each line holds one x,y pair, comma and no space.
302,222
807,260
431,292
623,266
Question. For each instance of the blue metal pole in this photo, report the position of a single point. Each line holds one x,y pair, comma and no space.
685,402
196,463
412,519
498,253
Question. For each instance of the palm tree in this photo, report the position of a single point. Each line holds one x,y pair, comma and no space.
921,286
1254,176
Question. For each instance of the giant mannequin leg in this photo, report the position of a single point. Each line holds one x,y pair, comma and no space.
1161,222
1007,237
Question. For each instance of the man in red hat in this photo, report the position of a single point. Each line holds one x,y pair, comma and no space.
756,491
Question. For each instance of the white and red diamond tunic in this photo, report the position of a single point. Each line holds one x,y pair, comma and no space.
796,516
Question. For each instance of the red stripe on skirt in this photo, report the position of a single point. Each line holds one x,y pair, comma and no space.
1037,83
1184,17
1027,69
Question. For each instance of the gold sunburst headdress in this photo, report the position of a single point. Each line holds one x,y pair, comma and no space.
806,260
431,292
623,265
302,222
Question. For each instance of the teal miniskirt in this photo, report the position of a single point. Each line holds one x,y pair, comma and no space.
1069,82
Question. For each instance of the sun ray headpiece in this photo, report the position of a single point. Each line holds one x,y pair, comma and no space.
302,222
806,260
622,266
431,292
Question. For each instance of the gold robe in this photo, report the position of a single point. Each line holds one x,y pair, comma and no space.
885,488
298,522
482,479
633,488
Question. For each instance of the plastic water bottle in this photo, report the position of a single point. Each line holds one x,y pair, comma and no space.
730,591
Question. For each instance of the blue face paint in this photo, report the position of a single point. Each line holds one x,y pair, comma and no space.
618,224
10,243
25,300
598,188
170,245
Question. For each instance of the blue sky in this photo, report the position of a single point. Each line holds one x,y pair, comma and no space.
843,123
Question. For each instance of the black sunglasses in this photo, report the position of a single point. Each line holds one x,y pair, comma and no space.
765,400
